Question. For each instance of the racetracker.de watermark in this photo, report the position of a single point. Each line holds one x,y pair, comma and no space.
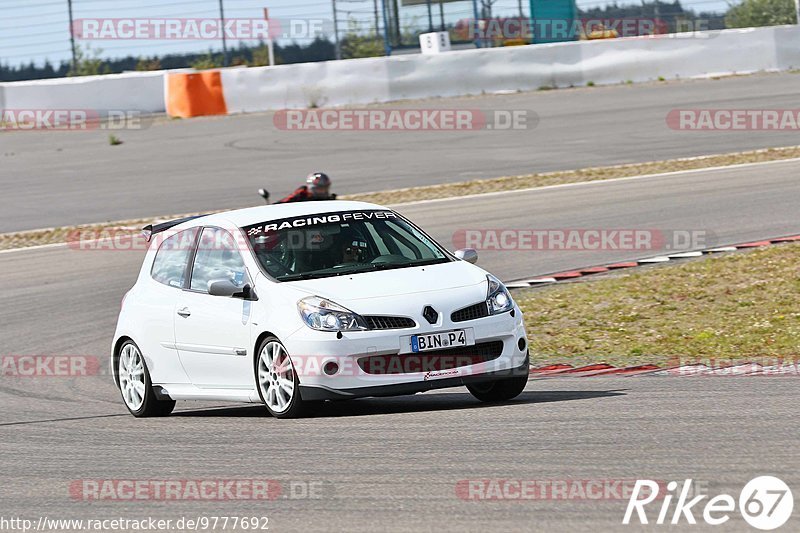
453,362
118,240
198,29
210,490
49,366
579,240
404,120
545,489
529,29
127,239
69,120
734,119
755,366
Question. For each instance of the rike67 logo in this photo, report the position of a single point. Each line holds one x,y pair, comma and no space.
765,503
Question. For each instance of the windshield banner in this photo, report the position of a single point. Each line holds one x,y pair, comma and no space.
316,220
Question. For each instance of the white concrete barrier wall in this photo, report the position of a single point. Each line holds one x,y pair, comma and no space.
471,72
456,73
787,47
696,55
328,83
134,91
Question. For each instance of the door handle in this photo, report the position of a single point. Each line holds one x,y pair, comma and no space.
185,313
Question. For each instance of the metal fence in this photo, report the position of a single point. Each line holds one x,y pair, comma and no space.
39,30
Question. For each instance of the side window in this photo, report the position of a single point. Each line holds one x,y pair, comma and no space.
217,258
169,266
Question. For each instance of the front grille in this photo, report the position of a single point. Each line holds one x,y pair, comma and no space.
430,361
472,312
389,322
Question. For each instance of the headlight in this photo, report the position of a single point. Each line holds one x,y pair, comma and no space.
499,299
324,315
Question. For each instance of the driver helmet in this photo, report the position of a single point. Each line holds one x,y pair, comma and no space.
319,184
354,247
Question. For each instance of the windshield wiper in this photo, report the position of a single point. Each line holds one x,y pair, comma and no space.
390,266
358,269
304,276
327,273
427,262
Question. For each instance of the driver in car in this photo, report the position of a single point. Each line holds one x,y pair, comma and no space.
354,251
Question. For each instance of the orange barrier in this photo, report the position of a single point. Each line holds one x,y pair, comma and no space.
195,95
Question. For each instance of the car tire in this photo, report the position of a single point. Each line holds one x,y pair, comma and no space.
133,381
277,381
501,390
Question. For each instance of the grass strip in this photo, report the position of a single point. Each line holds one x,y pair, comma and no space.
40,237
729,307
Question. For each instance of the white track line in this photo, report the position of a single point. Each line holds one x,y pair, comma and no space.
515,191
600,182
32,248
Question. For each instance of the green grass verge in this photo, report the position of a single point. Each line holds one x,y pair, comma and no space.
731,307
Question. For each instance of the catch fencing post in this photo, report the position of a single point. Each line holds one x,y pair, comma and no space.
336,32
72,37
387,43
225,58
476,24
270,42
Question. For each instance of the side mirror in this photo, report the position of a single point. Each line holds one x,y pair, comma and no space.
227,289
469,255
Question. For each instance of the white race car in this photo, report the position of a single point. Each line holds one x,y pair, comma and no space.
289,305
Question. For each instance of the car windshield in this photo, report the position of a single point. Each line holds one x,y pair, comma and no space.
335,244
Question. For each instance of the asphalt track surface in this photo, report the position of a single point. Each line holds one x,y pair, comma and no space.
62,178
394,464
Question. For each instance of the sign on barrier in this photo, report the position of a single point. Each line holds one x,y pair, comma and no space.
435,43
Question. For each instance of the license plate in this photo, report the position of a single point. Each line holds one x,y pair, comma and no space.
439,341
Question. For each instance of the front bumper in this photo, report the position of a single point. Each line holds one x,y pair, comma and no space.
314,393
350,380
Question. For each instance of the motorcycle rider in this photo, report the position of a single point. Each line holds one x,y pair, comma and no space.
317,187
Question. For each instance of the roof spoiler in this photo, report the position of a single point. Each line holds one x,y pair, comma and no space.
153,229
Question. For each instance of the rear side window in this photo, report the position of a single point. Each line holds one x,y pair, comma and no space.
169,266
217,259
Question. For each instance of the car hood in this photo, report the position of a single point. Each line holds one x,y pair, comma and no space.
399,282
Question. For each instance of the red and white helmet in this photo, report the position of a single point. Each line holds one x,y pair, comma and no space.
318,180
